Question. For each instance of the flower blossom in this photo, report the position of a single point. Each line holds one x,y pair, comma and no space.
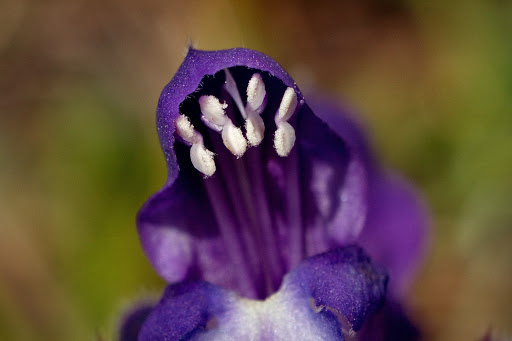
255,226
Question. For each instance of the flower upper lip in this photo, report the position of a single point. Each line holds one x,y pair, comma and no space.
189,76
257,217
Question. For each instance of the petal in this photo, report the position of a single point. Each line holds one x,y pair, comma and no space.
298,206
339,281
133,320
282,317
343,121
343,279
395,233
196,65
184,310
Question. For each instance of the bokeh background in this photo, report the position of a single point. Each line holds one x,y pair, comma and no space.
79,83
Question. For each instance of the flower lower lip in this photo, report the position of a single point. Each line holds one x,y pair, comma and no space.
339,284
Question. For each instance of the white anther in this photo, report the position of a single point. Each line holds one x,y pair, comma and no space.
214,116
255,129
202,159
256,101
213,110
255,93
210,124
287,106
185,129
231,88
284,139
234,140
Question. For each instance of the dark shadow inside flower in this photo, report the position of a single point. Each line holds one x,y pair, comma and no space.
254,218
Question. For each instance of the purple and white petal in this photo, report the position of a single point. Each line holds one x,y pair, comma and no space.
314,300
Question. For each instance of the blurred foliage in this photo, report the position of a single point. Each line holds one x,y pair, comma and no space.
80,80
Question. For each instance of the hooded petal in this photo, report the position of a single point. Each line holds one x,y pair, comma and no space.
258,216
342,281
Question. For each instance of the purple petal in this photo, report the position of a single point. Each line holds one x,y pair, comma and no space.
345,124
184,310
132,322
343,279
395,232
260,215
196,65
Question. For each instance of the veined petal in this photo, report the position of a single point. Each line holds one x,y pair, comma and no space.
340,282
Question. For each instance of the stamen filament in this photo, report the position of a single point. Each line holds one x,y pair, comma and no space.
231,88
294,210
265,222
229,231
236,203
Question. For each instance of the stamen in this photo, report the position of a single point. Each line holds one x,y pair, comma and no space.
254,125
255,129
256,94
234,140
214,116
288,105
213,111
256,101
202,158
185,129
284,137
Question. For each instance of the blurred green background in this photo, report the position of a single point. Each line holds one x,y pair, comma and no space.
79,83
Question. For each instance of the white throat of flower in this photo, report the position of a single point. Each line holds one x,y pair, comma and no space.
214,117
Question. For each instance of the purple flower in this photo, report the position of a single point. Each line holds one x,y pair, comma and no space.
260,199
